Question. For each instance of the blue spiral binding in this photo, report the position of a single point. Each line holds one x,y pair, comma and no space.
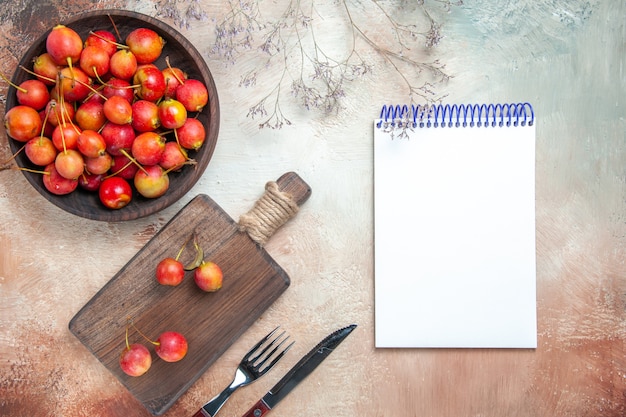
458,115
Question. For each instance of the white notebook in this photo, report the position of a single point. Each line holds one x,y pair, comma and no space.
454,211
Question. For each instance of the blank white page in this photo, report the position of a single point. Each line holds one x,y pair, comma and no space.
454,211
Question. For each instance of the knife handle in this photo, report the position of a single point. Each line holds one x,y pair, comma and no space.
201,413
259,409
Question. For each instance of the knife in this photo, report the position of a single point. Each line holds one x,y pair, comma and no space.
301,370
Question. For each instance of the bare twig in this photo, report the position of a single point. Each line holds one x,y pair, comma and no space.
316,78
192,11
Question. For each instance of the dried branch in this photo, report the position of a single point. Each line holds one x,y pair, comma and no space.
313,76
192,11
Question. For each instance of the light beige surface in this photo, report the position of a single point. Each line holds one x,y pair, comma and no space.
567,58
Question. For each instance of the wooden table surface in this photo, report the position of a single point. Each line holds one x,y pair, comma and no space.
567,58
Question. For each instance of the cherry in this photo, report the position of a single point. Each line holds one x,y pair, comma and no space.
150,82
94,61
65,136
193,94
174,157
33,93
145,44
152,181
22,123
45,67
172,113
40,151
69,164
148,148
64,45
192,134
135,359
115,192
170,271
118,110
57,184
123,64
90,115
145,116
91,144
208,276
119,138
171,346
100,164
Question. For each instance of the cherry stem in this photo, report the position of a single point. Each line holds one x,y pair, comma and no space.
119,45
133,160
34,171
127,344
176,136
45,119
120,170
93,90
53,108
71,67
43,77
62,99
17,87
115,27
100,80
182,248
142,335
120,87
5,163
196,245
176,167
167,61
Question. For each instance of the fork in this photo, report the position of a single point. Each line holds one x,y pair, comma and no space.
253,366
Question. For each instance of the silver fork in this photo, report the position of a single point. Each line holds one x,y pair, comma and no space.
253,366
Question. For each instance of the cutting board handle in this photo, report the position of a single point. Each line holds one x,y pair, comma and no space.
280,202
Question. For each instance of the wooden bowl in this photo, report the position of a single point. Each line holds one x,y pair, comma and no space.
181,54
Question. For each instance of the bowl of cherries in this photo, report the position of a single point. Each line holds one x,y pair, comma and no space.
112,115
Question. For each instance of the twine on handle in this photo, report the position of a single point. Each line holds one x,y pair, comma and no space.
270,212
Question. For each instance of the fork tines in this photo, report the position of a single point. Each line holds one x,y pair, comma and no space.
267,352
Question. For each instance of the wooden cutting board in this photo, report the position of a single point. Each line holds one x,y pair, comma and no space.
211,322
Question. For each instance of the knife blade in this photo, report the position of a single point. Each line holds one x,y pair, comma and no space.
299,372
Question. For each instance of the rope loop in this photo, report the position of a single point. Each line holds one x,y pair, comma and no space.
269,213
